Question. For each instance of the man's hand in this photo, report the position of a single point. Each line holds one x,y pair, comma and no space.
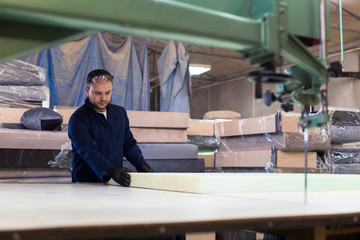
120,175
145,168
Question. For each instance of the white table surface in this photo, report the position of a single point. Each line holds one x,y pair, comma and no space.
38,206
46,206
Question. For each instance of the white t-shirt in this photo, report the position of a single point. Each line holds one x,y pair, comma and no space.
104,113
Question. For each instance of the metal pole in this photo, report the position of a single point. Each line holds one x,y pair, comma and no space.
341,34
323,55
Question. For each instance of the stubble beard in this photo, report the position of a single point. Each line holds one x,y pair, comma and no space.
100,107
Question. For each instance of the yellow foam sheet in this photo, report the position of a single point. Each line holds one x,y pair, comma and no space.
243,182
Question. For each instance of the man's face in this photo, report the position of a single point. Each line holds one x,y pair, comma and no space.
99,94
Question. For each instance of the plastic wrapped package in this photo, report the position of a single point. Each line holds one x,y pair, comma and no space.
202,134
57,143
64,158
281,140
21,73
204,142
24,96
344,117
345,134
21,85
24,93
271,144
162,157
25,153
341,155
269,159
345,137
345,125
345,159
208,146
47,150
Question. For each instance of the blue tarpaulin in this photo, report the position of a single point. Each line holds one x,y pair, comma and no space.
67,66
173,68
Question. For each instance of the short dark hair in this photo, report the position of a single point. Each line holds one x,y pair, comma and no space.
99,73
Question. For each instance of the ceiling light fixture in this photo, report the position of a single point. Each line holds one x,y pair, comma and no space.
196,69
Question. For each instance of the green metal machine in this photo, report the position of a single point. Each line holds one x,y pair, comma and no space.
262,31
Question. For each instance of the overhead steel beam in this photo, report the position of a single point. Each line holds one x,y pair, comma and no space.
295,52
19,39
168,20
32,25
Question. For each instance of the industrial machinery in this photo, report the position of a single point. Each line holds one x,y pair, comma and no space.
263,32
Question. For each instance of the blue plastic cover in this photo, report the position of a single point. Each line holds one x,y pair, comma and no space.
67,66
173,68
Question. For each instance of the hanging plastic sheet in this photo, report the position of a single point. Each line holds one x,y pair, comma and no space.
67,66
144,97
173,68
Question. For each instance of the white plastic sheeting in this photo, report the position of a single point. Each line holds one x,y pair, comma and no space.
173,68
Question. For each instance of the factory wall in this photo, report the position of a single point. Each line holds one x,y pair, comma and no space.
238,95
345,92
199,103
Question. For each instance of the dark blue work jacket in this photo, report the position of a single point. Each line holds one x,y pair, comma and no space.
99,143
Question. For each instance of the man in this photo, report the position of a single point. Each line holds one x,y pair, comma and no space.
101,137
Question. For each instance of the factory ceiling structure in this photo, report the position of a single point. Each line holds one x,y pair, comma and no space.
226,63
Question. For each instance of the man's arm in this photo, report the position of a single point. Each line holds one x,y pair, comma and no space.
86,147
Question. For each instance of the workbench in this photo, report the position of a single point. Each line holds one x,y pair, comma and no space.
99,211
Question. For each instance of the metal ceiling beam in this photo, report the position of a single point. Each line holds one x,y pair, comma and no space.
53,21
168,20
295,52
19,39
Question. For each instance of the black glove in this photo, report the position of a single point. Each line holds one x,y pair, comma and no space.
120,175
145,168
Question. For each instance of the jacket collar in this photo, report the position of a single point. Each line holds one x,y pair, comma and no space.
91,107
89,104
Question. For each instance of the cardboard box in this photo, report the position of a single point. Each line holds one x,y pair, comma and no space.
201,127
282,141
209,159
159,135
295,159
270,157
243,158
274,123
153,119
201,236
